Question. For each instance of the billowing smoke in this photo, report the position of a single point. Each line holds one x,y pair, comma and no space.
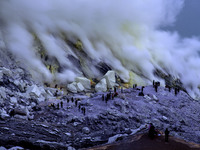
125,34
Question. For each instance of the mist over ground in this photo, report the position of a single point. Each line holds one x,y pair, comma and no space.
127,35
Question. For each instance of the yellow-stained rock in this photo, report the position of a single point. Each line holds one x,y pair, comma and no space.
134,79
79,45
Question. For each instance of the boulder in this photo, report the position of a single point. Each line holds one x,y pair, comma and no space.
33,104
164,118
22,110
19,71
13,100
110,79
16,82
49,93
85,82
68,134
86,130
75,124
80,87
155,98
101,86
147,97
2,92
40,99
20,84
34,91
72,87
1,75
3,114
6,71
42,90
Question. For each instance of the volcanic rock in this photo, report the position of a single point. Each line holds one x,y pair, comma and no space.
13,100
101,86
86,130
85,82
6,71
80,87
110,79
3,114
72,87
2,92
35,91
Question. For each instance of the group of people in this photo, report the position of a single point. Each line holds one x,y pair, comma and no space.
156,84
154,133
56,106
60,105
110,95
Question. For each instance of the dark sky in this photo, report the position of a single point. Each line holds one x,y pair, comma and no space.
188,21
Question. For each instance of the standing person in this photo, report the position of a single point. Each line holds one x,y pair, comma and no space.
106,98
151,131
84,110
57,105
61,104
156,87
115,89
72,99
79,107
166,135
76,102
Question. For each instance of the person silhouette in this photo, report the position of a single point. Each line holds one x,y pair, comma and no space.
166,135
151,131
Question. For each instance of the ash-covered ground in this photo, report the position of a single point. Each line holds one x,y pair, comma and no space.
31,119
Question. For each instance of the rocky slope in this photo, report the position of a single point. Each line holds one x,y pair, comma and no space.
30,116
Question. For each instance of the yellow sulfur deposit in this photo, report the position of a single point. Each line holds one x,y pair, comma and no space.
52,68
126,85
134,79
79,45
92,83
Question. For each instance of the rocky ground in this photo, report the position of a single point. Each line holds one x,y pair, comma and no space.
31,119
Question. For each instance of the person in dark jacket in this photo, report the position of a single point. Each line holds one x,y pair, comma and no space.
152,131
166,135
76,102
61,104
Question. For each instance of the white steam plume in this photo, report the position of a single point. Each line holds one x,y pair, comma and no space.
125,34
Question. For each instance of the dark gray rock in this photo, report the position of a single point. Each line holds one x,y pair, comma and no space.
86,130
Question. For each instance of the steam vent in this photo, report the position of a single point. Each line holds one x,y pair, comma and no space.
98,75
